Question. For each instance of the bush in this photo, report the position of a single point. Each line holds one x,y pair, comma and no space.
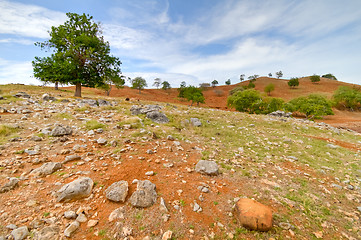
251,101
250,85
315,78
269,88
219,93
329,76
313,106
192,94
237,89
346,97
293,82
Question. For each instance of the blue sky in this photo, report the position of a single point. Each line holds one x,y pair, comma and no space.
197,40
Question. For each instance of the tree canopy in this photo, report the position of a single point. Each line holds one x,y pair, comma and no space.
192,93
165,85
79,56
293,82
139,83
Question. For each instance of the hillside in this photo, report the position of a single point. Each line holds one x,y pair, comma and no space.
217,97
306,173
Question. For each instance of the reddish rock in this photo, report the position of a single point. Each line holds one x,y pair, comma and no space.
253,215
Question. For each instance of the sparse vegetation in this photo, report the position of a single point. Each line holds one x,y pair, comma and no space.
329,76
269,88
94,124
6,130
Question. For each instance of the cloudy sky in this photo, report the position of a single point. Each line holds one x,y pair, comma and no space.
197,40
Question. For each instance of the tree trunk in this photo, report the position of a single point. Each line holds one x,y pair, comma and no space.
78,90
139,91
56,86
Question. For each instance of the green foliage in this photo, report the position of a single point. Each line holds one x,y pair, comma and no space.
183,84
329,76
234,90
93,124
139,83
347,97
80,55
241,77
293,82
228,82
313,106
251,101
269,88
165,85
315,78
191,94
250,85
214,83
242,101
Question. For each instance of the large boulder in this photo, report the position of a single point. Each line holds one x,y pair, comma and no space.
145,195
61,130
253,215
195,122
90,102
117,192
46,169
280,113
157,117
13,183
136,110
22,95
47,97
20,233
49,232
207,167
79,188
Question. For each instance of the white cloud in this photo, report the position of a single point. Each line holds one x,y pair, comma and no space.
27,20
16,72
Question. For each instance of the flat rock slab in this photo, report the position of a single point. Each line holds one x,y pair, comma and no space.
117,192
20,233
46,169
145,195
76,189
207,167
50,232
253,215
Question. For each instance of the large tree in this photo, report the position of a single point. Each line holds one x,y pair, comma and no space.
139,83
79,55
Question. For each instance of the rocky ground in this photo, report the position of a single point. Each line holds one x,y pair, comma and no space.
112,169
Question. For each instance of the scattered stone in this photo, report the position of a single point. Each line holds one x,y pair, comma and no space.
61,130
102,141
117,192
92,223
36,139
117,214
46,169
253,215
334,185
47,97
11,226
70,215
71,158
145,195
163,206
136,110
20,233
71,229
280,113
79,188
102,102
332,146
22,95
168,165
207,167
196,207
81,218
170,138
157,117
195,122
149,173
13,183
167,235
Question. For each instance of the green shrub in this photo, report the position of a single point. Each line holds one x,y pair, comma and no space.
242,101
191,94
315,78
329,76
346,97
237,89
313,106
267,105
293,82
